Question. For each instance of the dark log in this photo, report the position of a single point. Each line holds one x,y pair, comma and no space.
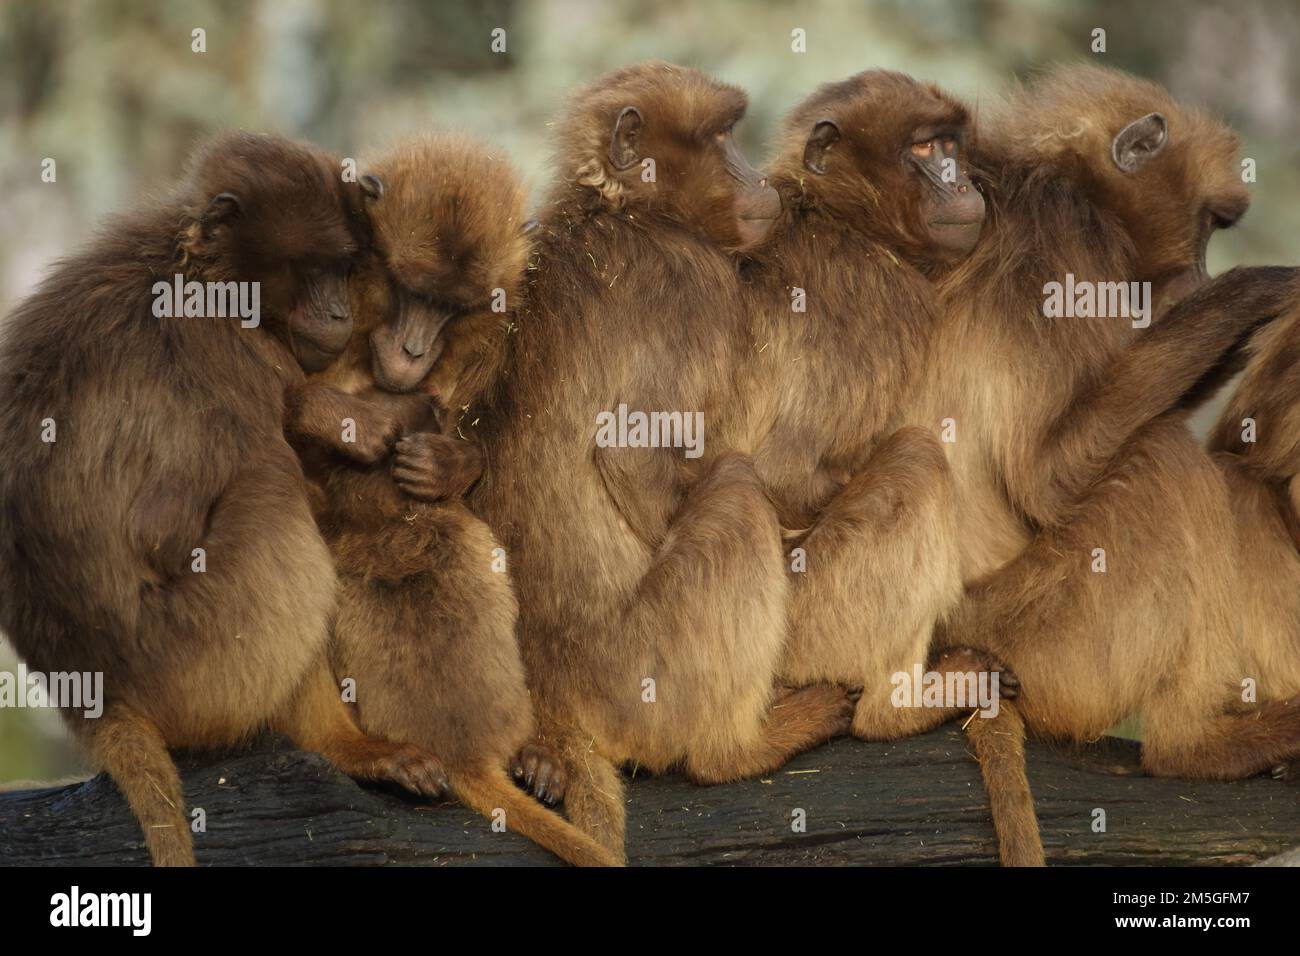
917,801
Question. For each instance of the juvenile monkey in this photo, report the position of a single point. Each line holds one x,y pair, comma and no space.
652,622
426,619
154,523
1097,539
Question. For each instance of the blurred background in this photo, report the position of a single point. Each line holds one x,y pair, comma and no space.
114,92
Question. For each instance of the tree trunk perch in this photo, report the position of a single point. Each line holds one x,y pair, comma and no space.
917,801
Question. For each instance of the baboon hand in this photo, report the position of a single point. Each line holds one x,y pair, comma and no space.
431,467
967,659
376,429
539,770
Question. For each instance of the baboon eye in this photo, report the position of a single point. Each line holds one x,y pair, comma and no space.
1219,220
923,150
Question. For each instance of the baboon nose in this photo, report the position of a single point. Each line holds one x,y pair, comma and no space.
413,350
339,316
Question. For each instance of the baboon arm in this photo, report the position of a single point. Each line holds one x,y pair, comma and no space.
316,719
1189,352
644,486
318,416
314,413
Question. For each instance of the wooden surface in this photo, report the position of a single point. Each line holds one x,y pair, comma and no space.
918,801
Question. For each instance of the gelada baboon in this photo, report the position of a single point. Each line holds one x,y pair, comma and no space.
154,525
1097,537
653,635
426,619
875,195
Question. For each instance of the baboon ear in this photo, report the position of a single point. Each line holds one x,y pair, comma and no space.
622,143
372,186
224,209
1139,141
824,135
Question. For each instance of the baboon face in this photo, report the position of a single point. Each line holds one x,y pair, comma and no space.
1178,181
320,318
887,153
404,347
1168,173
656,140
280,215
705,175
446,213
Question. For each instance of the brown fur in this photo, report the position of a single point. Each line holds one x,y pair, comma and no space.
426,624
1067,442
1265,493
635,563
169,438
827,391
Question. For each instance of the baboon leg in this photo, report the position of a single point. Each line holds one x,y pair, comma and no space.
317,719
1135,590
799,720
719,577
707,622
960,669
131,750
882,565
1022,614
1224,746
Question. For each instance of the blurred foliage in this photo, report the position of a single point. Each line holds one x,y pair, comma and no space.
113,92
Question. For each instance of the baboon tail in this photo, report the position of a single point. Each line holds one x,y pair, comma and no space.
999,744
489,790
130,748
593,797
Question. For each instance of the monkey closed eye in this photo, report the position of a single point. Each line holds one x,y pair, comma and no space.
321,324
